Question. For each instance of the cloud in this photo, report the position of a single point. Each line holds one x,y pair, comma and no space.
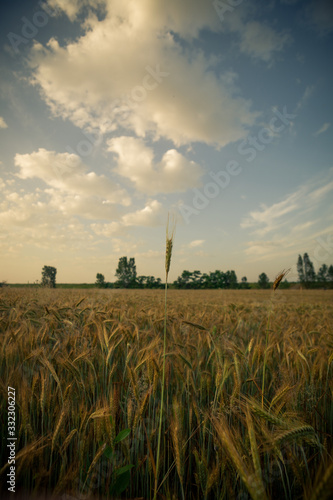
151,215
3,124
135,161
269,218
261,41
285,227
129,71
322,129
320,193
72,189
196,243
148,216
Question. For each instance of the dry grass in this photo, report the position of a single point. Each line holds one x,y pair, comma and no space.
77,358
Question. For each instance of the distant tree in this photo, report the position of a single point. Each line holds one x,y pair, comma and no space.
2,284
309,272
330,274
126,272
141,280
322,275
230,279
217,279
49,276
263,281
100,281
152,282
300,269
184,280
244,284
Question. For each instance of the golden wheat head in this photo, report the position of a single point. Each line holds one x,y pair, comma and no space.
169,244
280,277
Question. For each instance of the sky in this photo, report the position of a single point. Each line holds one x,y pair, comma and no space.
115,114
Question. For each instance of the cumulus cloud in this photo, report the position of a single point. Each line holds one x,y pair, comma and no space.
135,161
149,216
129,71
71,188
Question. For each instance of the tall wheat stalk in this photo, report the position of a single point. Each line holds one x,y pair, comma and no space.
276,284
168,253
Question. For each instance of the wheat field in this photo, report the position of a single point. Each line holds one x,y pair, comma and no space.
86,367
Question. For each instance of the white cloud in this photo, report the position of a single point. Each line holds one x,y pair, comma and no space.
269,218
129,72
196,243
261,41
135,161
148,216
285,227
151,215
3,124
319,193
322,129
73,190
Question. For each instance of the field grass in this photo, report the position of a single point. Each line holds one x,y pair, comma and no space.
87,364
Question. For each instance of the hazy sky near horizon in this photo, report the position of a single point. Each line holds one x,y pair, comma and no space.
114,113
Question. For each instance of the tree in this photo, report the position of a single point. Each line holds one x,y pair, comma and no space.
309,272
323,273
100,281
230,279
126,272
263,281
140,280
330,273
244,283
49,276
300,269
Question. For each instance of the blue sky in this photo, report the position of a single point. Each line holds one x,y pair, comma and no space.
114,114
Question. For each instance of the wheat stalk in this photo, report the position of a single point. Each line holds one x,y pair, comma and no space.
168,254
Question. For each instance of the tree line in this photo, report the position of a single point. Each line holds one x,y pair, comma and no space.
127,277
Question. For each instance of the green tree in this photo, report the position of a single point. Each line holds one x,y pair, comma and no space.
230,279
323,273
126,272
140,280
300,269
263,281
100,281
330,273
309,272
49,276
244,284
